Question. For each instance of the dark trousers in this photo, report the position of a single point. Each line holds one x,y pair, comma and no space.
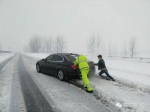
106,72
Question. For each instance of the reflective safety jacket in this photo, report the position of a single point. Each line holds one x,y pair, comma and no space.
81,61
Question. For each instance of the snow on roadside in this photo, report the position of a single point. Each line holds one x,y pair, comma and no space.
3,54
5,86
5,57
125,65
37,55
134,72
139,81
130,99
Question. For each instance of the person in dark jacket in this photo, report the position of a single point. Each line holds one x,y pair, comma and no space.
101,66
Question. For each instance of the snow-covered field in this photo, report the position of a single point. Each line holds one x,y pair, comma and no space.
136,72
37,55
132,87
5,56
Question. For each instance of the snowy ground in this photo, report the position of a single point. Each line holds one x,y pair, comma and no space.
23,89
4,56
131,73
37,55
132,88
5,83
66,97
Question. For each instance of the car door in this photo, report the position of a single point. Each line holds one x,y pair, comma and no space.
47,64
56,62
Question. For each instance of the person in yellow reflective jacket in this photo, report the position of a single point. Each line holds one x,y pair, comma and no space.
81,61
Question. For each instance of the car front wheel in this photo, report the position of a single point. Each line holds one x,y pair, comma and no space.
38,68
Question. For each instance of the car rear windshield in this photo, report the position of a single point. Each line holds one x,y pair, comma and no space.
72,57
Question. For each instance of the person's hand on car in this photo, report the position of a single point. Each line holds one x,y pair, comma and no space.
92,64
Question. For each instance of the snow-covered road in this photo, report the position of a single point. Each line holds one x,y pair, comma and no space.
23,89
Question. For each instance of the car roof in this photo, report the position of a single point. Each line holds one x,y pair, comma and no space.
65,54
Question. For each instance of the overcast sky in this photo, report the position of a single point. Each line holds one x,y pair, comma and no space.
76,20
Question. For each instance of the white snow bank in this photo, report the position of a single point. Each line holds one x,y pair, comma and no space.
131,99
136,67
37,55
126,65
4,57
3,54
136,72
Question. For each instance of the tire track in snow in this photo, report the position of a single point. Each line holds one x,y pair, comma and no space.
17,103
34,100
106,104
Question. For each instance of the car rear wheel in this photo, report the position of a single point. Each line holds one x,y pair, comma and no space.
38,68
61,75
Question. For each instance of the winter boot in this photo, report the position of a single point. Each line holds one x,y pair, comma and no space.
89,88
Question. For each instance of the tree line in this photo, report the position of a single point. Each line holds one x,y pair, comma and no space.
39,44
96,44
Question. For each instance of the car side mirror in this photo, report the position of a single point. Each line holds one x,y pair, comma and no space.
43,59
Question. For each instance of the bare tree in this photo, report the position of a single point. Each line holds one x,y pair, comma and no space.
115,50
35,44
132,46
110,48
49,44
98,42
56,44
43,46
124,49
103,50
91,43
60,44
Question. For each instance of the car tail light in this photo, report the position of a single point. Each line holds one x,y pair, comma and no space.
74,67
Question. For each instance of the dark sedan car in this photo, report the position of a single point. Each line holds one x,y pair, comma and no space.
61,65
